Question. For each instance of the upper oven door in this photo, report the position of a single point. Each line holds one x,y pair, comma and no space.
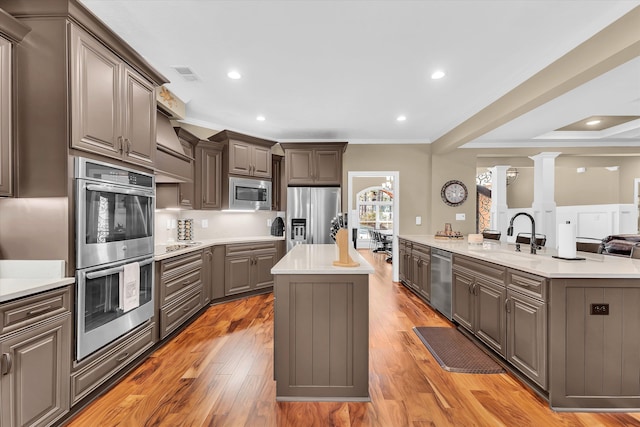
249,194
113,222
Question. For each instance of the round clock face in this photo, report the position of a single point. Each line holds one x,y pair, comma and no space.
454,193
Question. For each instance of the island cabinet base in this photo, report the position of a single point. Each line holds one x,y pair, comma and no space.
595,344
321,337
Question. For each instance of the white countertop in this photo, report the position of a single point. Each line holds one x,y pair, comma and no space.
22,278
542,264
318,259
161,253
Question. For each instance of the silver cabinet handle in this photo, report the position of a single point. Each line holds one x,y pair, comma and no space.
123,357
507,305
7,363
38,311
128,142
120,145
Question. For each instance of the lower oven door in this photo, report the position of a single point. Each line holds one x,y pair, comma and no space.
103,294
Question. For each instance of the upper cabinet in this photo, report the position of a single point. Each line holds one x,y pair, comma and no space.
82,91
113,106
313,164
246,155
11,31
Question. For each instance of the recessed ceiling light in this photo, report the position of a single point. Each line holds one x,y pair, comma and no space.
612,168
401,118
437,75
234,75
260,118
593,122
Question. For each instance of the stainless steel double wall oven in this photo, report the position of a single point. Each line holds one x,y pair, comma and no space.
114,227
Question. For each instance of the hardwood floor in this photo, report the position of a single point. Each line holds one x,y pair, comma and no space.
219,372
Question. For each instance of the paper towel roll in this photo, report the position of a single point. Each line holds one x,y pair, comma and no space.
566,240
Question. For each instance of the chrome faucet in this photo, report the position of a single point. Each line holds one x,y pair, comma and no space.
534,245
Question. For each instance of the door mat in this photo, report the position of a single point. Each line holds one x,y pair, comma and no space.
455,352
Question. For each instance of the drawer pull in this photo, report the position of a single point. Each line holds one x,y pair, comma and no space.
507,305
123,357
38,311
7,363
186,309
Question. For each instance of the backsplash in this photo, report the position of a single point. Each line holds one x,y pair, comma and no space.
220,224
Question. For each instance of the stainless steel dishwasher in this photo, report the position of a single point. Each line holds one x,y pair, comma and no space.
441,281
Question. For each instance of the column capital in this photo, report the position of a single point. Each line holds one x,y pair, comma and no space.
545,155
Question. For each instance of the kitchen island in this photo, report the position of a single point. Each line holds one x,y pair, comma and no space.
321,326
569,328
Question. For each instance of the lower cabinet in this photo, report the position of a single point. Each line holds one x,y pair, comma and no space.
527,326
248,266
35,359
181,293
479,294
98,368
415,267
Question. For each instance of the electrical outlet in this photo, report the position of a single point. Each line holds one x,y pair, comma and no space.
268,222
600,309
174,223
168,224
205,223
418,220
460,217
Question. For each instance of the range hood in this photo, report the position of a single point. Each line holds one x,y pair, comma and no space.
174,162
166,136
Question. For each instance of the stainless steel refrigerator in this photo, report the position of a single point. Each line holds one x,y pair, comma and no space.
309,214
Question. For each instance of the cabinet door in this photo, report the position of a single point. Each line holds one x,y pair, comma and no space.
299,167
95,96
328,166
463,299
139,119
207,273
35,374
262,265
240,158
6,134
237,274
261,162
415,266
208,186
527,336
402,253
217,272
423,278
490,322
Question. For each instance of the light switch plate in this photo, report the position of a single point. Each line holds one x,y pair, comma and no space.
418,220
460,217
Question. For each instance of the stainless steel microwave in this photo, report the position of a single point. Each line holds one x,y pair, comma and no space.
249,194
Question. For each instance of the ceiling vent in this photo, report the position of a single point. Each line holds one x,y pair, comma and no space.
186,73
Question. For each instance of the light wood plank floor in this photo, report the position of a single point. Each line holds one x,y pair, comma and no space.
219,372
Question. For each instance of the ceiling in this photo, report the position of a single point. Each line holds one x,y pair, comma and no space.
346,69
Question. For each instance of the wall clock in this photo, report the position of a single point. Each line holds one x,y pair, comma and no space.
454,193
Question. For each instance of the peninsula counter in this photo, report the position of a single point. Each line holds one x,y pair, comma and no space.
321,326
567,327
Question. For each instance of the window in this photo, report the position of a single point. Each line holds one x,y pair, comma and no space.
375,210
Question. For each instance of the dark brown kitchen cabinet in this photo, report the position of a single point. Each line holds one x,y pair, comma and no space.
479,296
181,292
113,106
313,164
12,32
35,359
246,155
248,266
527,325
6,135
208,176
415,267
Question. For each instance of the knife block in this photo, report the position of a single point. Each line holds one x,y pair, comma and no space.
342,240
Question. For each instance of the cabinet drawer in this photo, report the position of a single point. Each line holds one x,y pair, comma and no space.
421,250
486,269
179,285
90,377
27,311
240,248
179,264
174,315
527,283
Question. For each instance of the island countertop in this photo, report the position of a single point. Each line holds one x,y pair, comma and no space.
318,259
542,264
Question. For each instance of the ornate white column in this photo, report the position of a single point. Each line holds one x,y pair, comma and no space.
498,215
544,203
